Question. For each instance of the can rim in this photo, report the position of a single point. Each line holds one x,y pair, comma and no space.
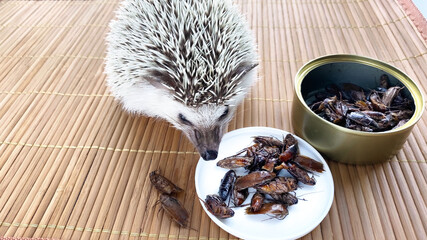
397,73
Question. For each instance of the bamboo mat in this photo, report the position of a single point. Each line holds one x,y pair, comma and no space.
73,165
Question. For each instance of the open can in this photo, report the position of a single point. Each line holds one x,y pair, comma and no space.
339,143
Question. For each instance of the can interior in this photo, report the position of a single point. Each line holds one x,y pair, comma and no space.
365,76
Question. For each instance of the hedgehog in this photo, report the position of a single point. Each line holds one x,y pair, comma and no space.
189,62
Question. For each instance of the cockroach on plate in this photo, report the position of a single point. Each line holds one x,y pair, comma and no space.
239,196
274,210
253,178
268,141
227,184
309,163
278,185
285,198
235,162
217,207
301,175
257,201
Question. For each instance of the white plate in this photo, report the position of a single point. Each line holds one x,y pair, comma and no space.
303,217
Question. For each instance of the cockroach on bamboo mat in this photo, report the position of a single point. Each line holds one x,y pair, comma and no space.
163,184
170,204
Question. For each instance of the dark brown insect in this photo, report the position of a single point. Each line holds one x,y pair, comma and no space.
362,106
390,95
377,103
289,141
174,209
272,151
240,196
291,148
363,119
278,185
353,92
226,185
269,164
235,162
253,179
400,123
217,207
257,201
268,141
301,175
289,153
285,198
309,163
274,210
341,108
377,116
163,184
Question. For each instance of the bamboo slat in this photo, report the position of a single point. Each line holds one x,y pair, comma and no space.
74,165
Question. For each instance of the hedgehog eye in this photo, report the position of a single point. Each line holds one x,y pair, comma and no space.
184,120
197,134
224,114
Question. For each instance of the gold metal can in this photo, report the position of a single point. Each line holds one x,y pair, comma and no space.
339,143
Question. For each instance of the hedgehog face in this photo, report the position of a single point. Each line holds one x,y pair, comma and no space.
204,126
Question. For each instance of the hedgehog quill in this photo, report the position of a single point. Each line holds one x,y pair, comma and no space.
189,62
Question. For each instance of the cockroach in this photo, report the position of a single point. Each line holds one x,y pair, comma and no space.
285,198
257,201
301,175
400,123
362,105
355,92
235,162
163,184
377,104
239,196
269,164
290,140
253,178
226,185
268,141
278,185
274,210
363,119
289,153
217,207
390,94
378,116
309,163
174,209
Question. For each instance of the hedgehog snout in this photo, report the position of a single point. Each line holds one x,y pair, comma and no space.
209,155
206,141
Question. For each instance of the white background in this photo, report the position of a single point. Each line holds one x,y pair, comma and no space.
422,6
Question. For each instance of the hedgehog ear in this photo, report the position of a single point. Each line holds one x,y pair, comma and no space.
242,70
160,80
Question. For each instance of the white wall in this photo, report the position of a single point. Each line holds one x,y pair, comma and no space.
422,6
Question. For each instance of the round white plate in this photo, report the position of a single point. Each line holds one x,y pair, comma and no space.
303,217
